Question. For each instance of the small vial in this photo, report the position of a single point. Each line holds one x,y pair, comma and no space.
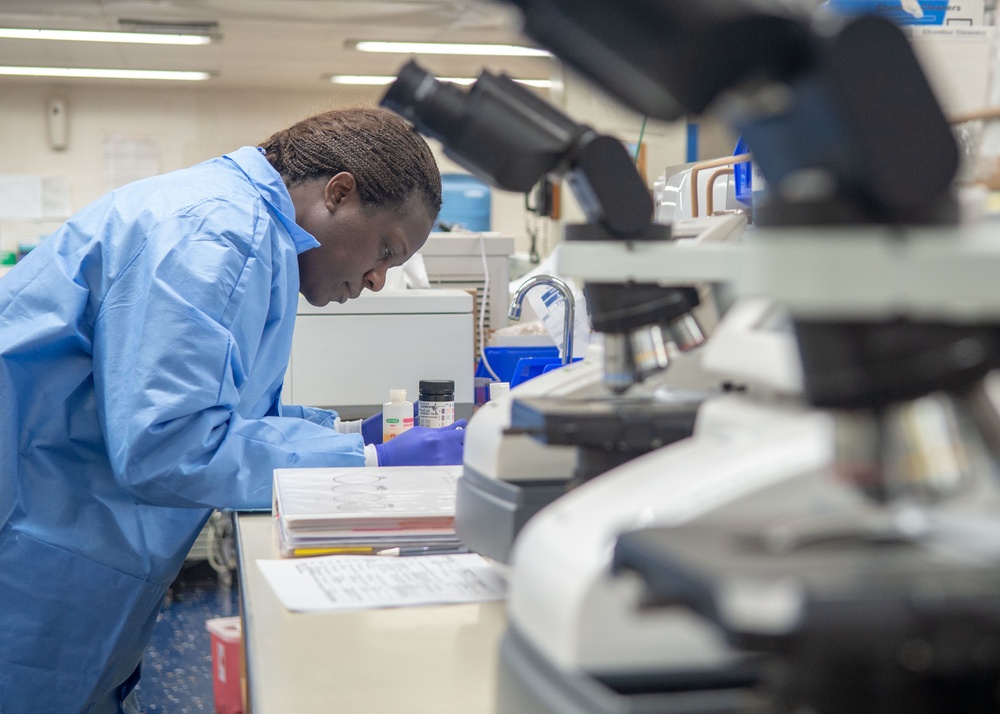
397,415
498,389
437,402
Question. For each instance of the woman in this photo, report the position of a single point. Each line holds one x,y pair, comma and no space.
142,352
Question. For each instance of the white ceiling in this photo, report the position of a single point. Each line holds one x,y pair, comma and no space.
294,44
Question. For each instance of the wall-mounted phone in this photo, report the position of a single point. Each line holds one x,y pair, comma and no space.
58,123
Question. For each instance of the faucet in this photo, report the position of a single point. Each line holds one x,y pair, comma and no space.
514,313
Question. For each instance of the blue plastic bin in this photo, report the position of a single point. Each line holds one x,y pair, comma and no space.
465,203
519,364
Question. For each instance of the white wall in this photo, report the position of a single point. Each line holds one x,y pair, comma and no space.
185,125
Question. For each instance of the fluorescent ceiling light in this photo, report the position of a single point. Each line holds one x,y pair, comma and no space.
375,79
78,72
448,48
143,38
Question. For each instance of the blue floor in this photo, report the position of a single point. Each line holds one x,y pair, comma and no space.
177,669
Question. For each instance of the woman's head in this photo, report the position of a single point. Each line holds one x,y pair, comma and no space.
390,161
366,186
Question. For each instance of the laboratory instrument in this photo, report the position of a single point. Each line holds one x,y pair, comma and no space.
385,340
512,470
889,457
503,133
641,323
479,263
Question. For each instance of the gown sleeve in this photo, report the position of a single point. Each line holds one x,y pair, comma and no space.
323,417
184,332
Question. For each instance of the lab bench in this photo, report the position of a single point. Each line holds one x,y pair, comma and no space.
437,659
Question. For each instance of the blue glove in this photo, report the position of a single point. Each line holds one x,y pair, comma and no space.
371,428
424,446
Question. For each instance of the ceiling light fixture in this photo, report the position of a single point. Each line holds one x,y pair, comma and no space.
144,38
79,72
446,48
377,79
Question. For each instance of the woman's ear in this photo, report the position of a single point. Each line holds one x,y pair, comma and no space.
338,188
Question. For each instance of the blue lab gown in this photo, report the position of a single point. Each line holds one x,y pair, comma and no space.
142,352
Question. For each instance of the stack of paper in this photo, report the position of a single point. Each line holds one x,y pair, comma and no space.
359,509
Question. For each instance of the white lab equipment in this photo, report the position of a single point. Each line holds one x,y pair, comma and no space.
676,196
479,262
347,357
596,627
759,465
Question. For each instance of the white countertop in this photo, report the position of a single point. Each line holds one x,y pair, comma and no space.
436,659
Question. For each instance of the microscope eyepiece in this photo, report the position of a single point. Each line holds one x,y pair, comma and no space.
496,129
436,108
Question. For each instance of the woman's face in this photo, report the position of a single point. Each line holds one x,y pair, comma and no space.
357,245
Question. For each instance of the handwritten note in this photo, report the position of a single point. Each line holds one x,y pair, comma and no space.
344,582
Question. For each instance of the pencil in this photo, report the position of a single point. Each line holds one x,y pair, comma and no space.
344,550
425,550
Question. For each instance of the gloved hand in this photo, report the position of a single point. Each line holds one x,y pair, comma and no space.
424,446
371,428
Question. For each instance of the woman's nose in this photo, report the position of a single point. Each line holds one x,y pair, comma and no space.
375,279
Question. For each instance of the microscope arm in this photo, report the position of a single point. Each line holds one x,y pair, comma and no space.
510,138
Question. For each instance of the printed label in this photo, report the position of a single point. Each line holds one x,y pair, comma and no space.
391,428
437,414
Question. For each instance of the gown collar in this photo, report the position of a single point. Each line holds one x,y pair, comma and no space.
251,161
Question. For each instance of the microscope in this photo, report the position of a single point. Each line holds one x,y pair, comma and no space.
838,554
564,428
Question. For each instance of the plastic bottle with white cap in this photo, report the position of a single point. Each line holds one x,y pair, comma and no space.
397,415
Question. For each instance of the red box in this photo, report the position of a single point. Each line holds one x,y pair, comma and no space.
227,641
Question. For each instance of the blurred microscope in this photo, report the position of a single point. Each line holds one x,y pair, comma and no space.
568,426
837,555
836,546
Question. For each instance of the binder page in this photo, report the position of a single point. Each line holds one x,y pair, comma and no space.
346,582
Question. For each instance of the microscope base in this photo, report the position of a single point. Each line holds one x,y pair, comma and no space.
527,682
490,512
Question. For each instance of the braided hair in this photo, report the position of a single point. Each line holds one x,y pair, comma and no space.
389,160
